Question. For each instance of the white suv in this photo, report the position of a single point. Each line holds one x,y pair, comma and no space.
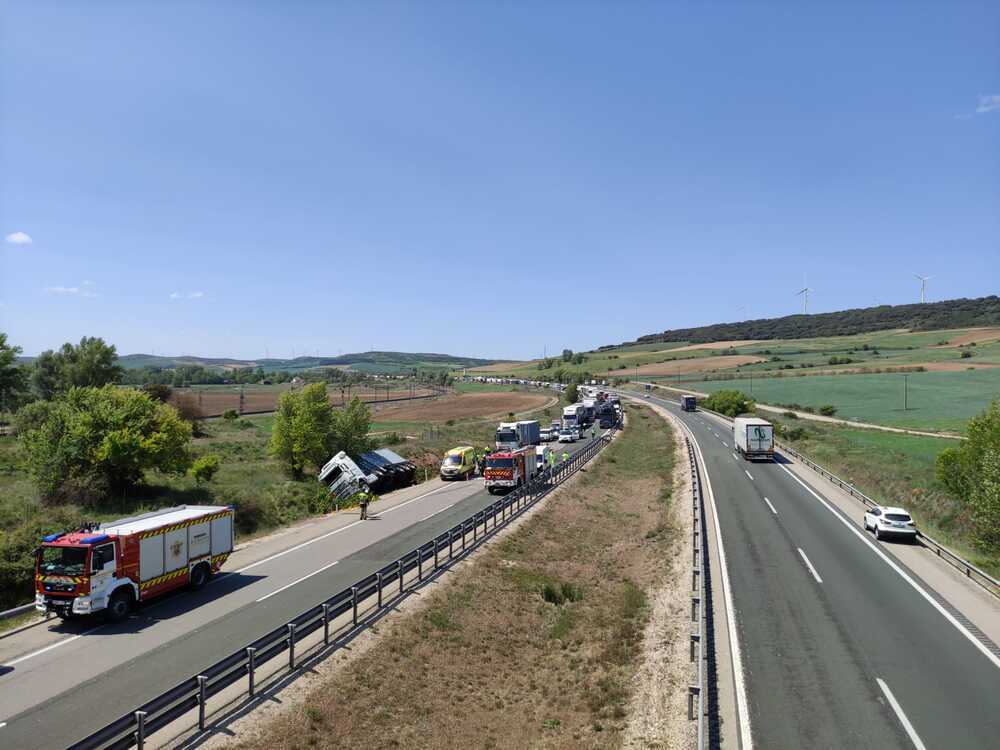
888,521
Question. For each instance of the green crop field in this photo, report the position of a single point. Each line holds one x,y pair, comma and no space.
935,400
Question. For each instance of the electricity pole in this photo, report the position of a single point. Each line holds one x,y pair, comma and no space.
904,393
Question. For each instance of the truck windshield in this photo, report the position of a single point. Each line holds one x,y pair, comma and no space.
506,436
499,463
63,561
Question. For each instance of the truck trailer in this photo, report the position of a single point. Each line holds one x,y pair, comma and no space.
689,403
754,438
112,566
379,471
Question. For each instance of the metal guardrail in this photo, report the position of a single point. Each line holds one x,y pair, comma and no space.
132,728
17,611
973,573
697,691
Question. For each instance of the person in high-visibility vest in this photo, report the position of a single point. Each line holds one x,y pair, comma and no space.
552,459
593,432
364,497
565,456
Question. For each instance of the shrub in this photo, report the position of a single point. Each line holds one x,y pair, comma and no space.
230,414
391,438
828,410
790,415
730,403
158,391
205,468
966,354
795,433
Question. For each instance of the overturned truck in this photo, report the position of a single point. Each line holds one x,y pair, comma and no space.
378,471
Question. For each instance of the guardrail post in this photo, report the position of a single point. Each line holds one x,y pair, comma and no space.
695,601
475,529
435,555
695,638
451,544
251,667
140,729
693,691
378,577
354,604
694,579
420,564
326,624
202,688
463,536
291,645
399,564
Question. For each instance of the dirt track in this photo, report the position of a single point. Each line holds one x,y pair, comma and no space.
688,366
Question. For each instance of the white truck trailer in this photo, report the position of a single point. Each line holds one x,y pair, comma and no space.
754,438
573,417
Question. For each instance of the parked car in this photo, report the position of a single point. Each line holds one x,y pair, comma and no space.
890,521
568,435
548,435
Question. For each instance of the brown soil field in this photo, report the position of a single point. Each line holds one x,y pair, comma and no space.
972,336
460,407
688,366
715,345
215,402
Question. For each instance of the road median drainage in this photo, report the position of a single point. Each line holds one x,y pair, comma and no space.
536,641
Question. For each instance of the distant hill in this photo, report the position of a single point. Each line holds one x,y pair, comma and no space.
372,362
930,316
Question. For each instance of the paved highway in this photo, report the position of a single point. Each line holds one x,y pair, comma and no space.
61,682
839,649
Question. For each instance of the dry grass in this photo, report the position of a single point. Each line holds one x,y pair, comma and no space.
534,645
717,345
689,366
973,336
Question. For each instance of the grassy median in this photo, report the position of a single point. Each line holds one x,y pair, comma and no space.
535,643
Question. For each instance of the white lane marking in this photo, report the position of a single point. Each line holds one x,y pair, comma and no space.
748,475
436,512
3,724
725,443
743,713
770,506
994,659
809,565
735,457
41,651
331,533
298,580
914,738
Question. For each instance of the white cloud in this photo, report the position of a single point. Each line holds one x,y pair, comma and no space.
89,289
988,103
18,238
176,295
62,289
196,295
85,289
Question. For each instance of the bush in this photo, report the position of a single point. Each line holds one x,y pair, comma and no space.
966,354
730,403
158,391
795,433
828,410
790,415
391,438
205,468
230,415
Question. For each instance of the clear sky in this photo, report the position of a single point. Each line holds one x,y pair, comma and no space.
238,178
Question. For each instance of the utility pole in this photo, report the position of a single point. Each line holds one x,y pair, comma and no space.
904,393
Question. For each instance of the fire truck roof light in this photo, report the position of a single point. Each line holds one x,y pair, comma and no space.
52,537
94,539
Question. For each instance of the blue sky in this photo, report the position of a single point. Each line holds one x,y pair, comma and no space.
236,178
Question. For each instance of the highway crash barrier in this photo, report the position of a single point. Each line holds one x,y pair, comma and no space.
335,619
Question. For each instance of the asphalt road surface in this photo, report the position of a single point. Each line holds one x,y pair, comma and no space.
59,683
839,650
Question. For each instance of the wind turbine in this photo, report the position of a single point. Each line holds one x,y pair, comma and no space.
923,285
805,299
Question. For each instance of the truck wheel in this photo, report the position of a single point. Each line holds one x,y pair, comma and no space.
199,576
119,605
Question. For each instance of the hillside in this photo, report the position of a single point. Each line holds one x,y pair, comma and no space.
931,316
373,362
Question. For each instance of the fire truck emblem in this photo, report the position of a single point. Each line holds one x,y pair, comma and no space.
175,548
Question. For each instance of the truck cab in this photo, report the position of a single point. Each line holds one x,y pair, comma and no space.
77,573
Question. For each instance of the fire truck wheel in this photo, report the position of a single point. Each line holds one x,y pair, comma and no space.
120,605
200,576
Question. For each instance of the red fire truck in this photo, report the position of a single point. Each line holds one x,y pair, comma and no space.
112,566
507,470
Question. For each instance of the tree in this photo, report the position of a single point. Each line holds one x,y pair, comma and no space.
351,427
579,359
158,391
571,393
303,432
828,410
44,378
730,403
204,468
969,472
92,363
100,439
13,380
567,355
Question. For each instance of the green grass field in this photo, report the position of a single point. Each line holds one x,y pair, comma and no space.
935,400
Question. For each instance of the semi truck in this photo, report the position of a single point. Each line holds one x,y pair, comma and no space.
380,471
110,567
509,469
589,410
512,435
689,403
572,417
754,438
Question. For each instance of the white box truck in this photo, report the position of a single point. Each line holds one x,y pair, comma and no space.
754,438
